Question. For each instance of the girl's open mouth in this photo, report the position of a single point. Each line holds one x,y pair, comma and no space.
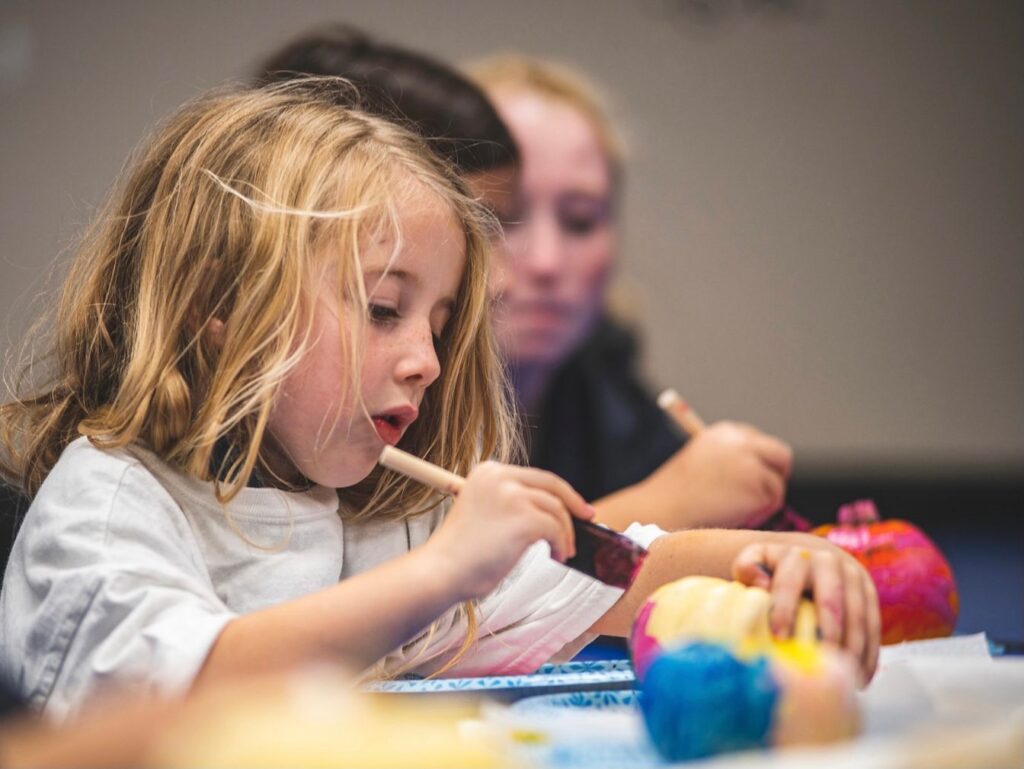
390,425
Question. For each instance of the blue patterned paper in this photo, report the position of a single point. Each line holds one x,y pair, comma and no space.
583,675
624,699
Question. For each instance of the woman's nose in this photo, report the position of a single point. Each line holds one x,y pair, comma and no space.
541,253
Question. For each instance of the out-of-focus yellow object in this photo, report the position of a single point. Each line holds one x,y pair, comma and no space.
317,719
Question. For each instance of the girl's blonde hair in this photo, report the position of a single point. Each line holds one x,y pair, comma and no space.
512,72
234,212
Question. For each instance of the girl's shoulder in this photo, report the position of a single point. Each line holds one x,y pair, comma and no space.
90,480
84,467
134,476
94,497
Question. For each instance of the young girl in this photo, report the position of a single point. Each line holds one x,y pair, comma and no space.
282,286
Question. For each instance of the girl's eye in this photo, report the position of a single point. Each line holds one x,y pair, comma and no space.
380,313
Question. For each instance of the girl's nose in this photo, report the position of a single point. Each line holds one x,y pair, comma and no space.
419,362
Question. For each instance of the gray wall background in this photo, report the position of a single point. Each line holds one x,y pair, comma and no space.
825,208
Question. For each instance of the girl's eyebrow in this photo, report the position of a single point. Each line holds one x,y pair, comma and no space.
410,278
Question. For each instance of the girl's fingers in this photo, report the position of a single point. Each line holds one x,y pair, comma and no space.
788,583
874,625
537,523
844,595
854,636
550,530
864,628
542,479
783,570
750,567
829,600
552,507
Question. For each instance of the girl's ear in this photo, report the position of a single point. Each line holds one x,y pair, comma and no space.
215,331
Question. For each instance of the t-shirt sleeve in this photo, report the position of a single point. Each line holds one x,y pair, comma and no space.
106,584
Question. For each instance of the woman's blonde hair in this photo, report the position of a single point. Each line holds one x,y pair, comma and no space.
226,215
512,72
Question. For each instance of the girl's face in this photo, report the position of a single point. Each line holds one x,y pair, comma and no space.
336,442
561,243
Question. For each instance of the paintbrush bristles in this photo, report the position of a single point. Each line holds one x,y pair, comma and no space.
421,470
673,404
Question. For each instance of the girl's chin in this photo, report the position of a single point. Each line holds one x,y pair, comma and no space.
353,473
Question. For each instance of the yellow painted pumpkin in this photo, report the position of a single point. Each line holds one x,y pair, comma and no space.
707,609
714,680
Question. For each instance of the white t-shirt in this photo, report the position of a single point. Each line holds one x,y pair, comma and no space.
125,569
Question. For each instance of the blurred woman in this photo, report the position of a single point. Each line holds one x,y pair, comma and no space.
592,421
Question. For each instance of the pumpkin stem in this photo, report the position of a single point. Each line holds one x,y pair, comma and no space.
860,512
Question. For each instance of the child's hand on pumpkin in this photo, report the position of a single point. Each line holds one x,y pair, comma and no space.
844,596
499,513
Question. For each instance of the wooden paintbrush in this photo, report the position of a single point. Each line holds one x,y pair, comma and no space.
601,553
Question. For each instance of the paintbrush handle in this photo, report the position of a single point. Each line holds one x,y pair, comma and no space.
421,470
673,404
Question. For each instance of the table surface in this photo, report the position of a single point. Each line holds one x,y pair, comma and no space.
957,701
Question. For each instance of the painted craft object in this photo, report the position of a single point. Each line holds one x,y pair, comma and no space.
701,699
714,680
916,590
707,609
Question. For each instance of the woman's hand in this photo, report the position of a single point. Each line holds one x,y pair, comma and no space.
729,475
844,596
501,511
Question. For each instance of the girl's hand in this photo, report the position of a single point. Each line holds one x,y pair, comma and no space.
728,475
499,513
844,595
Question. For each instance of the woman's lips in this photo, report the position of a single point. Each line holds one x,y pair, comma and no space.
541,317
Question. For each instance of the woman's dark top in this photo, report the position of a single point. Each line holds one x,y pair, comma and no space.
598,426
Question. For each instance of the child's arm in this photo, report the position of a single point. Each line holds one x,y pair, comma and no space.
500,512
727,475
786,564
358,620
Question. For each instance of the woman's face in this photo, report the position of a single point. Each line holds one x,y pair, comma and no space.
560,241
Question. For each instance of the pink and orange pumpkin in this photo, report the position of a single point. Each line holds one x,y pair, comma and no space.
916,589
